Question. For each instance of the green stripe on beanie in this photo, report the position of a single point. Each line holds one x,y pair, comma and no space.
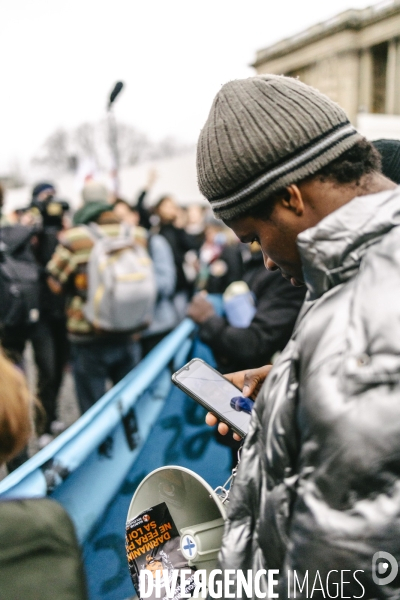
264,133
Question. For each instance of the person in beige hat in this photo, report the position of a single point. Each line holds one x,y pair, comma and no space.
95,191
96,356
317,492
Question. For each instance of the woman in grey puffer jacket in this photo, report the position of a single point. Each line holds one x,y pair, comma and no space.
317,493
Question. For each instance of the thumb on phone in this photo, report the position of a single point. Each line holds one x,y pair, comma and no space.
253,381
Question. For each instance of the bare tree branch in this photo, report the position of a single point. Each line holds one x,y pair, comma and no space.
54,152
92,140
85,139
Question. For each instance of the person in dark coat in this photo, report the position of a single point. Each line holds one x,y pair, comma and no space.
49,338
48,334
277,306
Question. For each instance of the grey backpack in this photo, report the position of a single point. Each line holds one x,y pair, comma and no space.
121,284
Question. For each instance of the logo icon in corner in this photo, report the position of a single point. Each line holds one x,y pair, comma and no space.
380,566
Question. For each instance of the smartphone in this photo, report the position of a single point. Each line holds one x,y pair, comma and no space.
208,387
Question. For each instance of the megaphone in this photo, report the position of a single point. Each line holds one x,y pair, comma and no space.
196,511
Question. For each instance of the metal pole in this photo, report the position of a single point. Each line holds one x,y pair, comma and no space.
113,141
113,133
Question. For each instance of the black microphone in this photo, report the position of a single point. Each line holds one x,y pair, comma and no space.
117,88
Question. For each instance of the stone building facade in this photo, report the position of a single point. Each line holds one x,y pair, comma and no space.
354,58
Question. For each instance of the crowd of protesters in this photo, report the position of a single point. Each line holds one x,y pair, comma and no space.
317,488
55,244
193,254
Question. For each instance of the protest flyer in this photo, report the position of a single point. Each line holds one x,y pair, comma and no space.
152,543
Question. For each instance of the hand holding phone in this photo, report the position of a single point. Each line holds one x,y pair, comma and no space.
213,391
250,382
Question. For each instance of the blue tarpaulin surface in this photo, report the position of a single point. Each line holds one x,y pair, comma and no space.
179,437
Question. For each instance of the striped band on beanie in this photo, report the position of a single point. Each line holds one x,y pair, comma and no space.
262,134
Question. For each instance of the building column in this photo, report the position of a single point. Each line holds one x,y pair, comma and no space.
391,78
397,80
365,81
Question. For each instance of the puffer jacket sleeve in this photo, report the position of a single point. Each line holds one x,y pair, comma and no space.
240,550
347,507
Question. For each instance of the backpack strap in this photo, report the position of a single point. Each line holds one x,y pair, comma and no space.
95,231
125,231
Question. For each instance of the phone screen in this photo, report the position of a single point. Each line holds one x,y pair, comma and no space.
215,392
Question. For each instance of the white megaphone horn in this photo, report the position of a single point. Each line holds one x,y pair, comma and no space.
196,509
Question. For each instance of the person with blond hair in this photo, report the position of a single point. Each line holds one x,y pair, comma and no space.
40,557
15,410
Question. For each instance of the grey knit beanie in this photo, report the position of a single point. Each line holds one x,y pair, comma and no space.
264,133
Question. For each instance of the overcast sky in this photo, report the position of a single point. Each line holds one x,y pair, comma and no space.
60,59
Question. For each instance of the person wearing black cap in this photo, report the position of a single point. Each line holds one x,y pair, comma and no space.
48,333
49,338
51,209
